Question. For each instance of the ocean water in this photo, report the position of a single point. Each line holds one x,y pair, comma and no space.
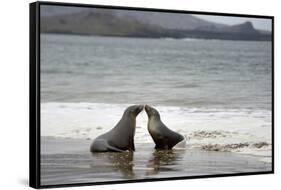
217,93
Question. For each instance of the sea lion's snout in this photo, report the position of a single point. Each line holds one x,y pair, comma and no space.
148,110
134,110
139,109
151,112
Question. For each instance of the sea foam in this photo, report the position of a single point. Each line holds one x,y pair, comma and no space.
235,130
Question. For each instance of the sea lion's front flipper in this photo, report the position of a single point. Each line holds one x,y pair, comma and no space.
134,147
133,144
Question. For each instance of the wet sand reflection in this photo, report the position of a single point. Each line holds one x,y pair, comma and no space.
163,161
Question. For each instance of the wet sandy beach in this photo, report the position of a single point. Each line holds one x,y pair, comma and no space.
67,161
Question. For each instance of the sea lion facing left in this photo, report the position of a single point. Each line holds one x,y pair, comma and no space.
121,137
163,137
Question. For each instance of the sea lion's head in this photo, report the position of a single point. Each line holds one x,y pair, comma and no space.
134,110
151,112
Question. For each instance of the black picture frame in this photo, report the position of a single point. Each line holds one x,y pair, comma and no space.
34,93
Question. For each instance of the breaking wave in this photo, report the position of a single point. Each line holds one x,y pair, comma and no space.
227,130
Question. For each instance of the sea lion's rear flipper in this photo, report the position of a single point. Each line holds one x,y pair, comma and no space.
181,144
112,148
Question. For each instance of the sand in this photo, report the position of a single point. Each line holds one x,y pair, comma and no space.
68,161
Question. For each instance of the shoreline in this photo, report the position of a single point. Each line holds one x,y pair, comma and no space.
213,36
66,161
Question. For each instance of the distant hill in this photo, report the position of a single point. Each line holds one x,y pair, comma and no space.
95,23
167,20
107,22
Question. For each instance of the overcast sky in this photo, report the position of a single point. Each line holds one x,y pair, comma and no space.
263,24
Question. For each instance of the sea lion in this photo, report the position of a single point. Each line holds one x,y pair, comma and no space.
121,137
163,137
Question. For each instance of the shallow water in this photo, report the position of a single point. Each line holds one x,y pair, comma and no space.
65,161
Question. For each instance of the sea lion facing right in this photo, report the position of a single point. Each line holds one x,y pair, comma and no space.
163,137
121,137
